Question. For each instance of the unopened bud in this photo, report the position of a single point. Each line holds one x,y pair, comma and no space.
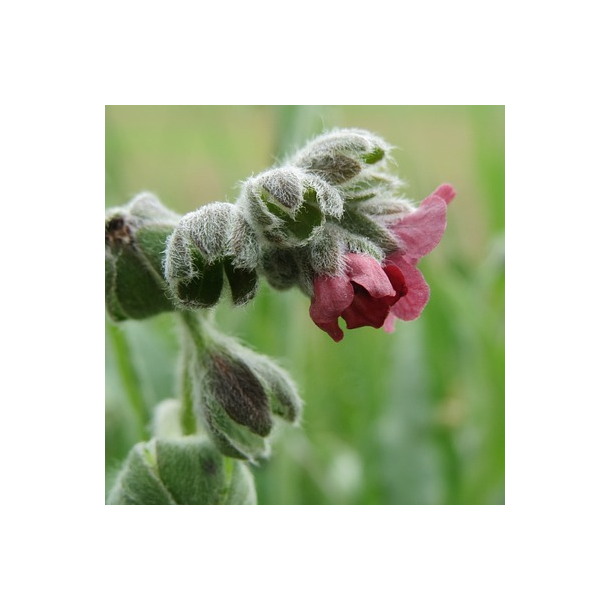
193,280
233,404
236,392
283,188
287,205
341,155
135,245
207,244
181,471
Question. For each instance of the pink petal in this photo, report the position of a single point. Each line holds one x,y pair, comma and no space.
332,295
366,310
368,273
388,325
420,231
445,192
397,280
412,304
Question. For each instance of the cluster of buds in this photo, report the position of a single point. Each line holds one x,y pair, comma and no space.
236,393
330,220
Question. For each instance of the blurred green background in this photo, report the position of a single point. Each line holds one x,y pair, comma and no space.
413,417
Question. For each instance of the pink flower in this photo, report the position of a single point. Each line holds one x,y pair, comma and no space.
362,297
374,294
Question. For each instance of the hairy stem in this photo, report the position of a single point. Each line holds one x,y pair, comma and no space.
187,414
193,342
192,325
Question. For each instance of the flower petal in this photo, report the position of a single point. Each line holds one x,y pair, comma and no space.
388,325
412,304
366,310
397,279
445,192
420,231
368,273
332,295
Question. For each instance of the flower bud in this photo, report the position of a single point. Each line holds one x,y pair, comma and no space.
181,471
341,155
287,205
208,244
233,405
194,281
135,244
236,392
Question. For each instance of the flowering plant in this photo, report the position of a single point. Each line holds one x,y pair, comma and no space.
331,221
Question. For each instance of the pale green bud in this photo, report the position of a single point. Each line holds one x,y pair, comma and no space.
341,155
181,471
286,206
135,244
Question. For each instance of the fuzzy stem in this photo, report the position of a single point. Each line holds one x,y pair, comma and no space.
191,323
193,343
187,414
